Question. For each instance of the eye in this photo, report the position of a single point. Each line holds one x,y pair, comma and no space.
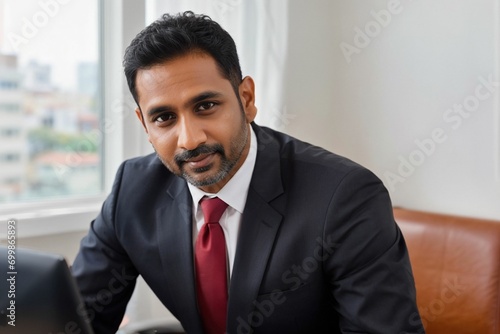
162,119
204,106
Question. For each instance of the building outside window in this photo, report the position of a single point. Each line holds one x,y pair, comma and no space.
50,100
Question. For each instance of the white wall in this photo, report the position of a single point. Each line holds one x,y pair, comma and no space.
373,101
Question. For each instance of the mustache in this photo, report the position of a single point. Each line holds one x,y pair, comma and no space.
181,158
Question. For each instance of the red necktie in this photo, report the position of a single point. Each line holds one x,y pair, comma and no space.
211,271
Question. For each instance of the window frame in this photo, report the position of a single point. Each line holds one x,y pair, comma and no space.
122,136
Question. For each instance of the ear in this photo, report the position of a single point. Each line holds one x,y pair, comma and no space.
139,115
247,96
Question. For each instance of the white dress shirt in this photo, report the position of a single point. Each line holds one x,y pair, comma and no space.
234,193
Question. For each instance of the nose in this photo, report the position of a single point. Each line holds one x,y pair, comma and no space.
191,133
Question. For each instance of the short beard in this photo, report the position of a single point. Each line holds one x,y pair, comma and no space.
237,146
225,168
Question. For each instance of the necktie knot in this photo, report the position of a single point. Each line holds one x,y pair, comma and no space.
212,208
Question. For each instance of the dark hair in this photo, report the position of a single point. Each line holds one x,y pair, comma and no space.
172,36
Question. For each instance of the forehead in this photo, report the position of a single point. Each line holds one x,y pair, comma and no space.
180,78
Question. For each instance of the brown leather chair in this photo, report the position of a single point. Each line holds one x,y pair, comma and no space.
456,265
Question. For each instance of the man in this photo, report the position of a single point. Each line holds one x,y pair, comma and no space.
309,238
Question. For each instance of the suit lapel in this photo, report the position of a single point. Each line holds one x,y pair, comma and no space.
258,231
176,251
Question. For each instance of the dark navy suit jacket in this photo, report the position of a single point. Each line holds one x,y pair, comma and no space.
318,248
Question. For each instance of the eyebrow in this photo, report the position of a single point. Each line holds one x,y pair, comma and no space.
194,100
204,96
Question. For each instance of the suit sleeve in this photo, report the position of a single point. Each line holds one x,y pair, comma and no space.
369,269
103,271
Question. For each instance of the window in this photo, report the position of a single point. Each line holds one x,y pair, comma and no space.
53,206
6,85
9,157
50,101
9,132
9,107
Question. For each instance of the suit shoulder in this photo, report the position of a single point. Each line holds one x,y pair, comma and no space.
145,173
296,152
147,161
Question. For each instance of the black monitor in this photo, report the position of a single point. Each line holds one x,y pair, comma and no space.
38,295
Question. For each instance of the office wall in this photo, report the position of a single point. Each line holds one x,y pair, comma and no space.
407,88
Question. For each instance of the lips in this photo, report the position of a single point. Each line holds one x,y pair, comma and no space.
200,161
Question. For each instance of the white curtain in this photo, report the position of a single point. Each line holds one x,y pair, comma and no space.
259,28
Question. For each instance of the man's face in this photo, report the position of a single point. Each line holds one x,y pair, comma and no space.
194,120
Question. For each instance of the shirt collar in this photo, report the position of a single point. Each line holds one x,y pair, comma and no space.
235,191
